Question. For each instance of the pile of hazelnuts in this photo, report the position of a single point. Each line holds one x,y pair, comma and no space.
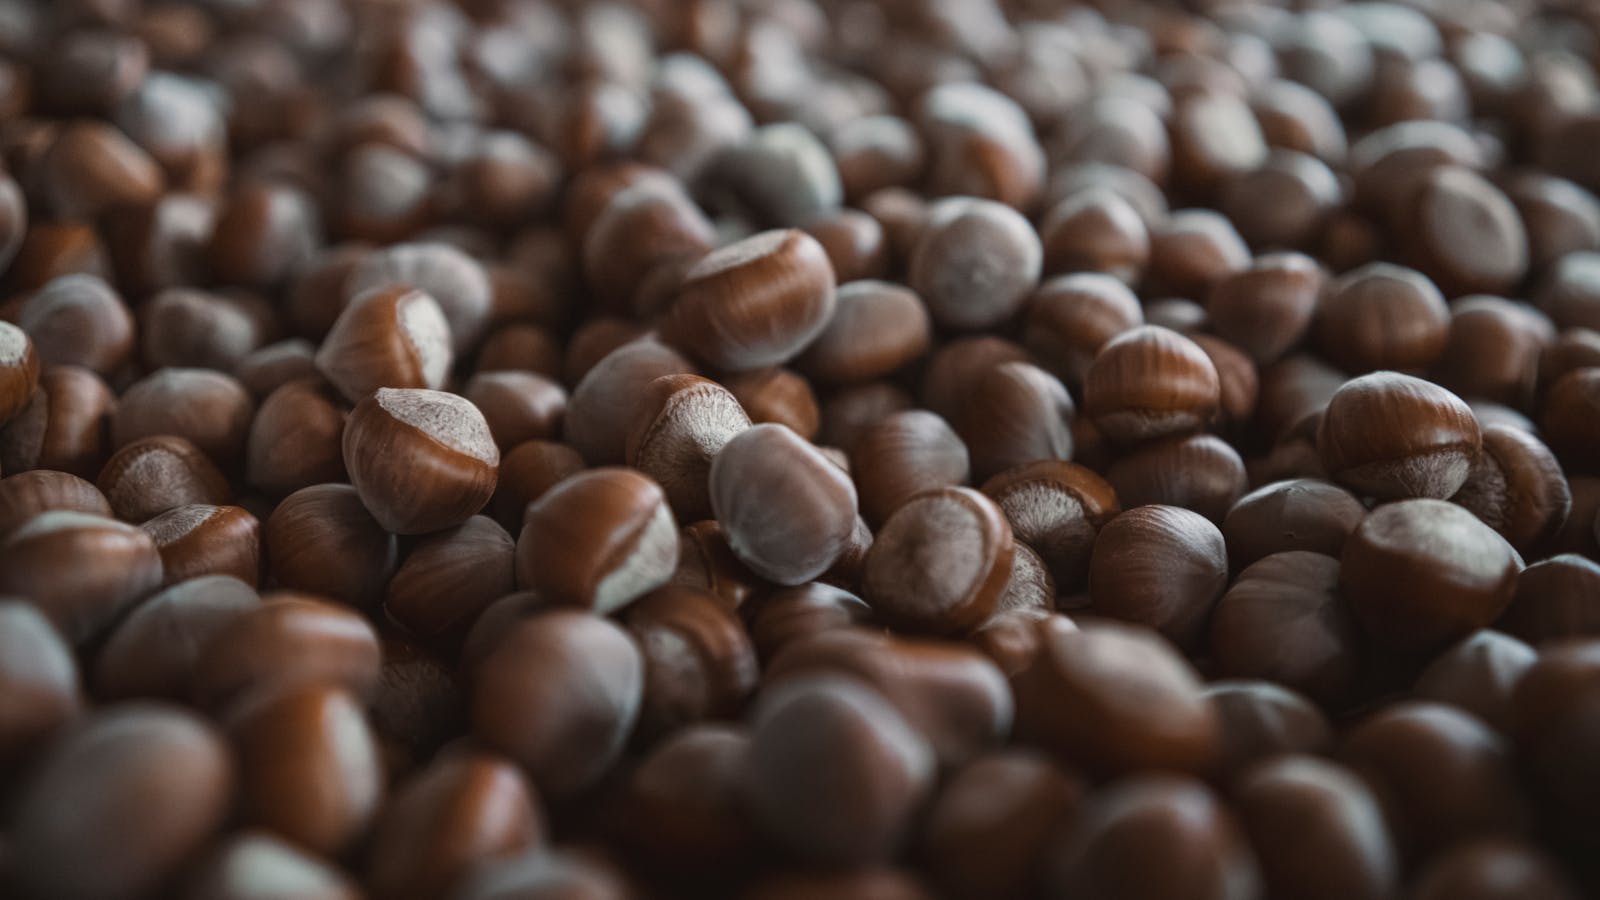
789,449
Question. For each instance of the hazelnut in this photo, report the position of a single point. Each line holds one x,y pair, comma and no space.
152,475
19,371
1159,566
296,438
421,460
598,540
27,494
211,410
681,423
1390,436
1150,382
1421,573
153,651
940,562
788,512
1057,508
754,303
82,571
450,577
391,337
207,540
322,540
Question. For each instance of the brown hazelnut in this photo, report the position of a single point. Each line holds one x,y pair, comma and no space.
1517,487
1382,316
1390,436
420,460
81,570
1159,566
1072,700
322,540
1071,317
1297,514
699,663
915,576
79,320
1199,472
600,410
152,475
788,512
1283,620
975,263
1150,382
1421,573
207,540
876,329
754,303
681,423
777,396
286,642
519,406
1015,413
1267,308
902,455
27,494
152,652
598,540
211,410
19,371
1057,508
393,337
456,282
296,438
450,577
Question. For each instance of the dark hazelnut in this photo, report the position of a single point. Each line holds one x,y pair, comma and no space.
1441,775
1517,487
1095,230
834,772
1071,699
1420,574
1296,802
1159,566
600,411
1284,620
519,406
1298,514
1479,674
1171,817
1266,309
1382,316
1391,436
1261,720
1555,598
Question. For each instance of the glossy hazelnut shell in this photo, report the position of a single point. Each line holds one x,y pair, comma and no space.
1392,436
755,303
598,540
412,481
